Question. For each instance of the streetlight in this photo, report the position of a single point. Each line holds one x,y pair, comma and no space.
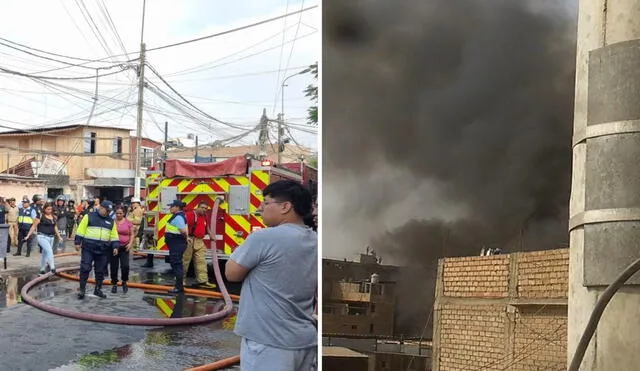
281,121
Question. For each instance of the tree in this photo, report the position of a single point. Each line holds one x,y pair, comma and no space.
311,92
313,161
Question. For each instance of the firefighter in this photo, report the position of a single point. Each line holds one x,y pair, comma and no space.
12,219
26,215
97,236
176,235
196,249
135,215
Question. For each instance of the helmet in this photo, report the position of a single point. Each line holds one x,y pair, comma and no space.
61,197
134,200
49,200
37,198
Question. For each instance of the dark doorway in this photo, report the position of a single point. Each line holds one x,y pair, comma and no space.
113,194
52,193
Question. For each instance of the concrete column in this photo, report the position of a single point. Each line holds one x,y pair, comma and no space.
605,194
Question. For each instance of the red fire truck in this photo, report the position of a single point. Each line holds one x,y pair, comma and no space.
237,181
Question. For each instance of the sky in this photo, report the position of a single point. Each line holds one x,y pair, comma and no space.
231,78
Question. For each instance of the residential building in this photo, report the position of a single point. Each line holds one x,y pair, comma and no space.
77,160
150,150
150,153
358,298
17,186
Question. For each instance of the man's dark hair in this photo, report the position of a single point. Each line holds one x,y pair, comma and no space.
291,191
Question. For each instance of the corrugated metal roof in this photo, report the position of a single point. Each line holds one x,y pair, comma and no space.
50,130
23,169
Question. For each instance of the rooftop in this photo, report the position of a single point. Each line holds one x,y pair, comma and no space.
56,129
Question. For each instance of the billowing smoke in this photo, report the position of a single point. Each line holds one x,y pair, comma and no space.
459,110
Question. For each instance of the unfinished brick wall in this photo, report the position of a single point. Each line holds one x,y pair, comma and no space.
471,334
504,312
543,274
470,277
540,340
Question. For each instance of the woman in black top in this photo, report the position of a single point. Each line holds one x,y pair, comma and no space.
45,225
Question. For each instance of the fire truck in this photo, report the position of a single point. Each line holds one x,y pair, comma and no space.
238,182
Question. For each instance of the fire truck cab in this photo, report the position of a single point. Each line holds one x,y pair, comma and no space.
238,182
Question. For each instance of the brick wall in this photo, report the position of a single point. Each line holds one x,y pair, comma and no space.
543,274
503,312
471,277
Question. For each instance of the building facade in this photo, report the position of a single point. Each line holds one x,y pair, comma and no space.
358,298
76,160
502,312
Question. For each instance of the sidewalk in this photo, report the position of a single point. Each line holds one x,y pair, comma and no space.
21,265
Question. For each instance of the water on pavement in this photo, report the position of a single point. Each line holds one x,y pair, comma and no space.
31,339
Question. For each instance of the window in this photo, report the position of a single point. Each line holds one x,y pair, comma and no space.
371,328
90,142
146,157
117,145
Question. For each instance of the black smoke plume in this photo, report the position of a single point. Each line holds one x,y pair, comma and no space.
474,95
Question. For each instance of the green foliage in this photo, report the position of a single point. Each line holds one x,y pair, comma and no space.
313,162
311,92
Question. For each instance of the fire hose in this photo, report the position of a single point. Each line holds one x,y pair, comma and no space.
138,321
225,312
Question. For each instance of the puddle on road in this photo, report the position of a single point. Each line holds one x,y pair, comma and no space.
28,331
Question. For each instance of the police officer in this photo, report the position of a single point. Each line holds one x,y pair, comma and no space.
60,212
26,215
70,213
97,236
176,236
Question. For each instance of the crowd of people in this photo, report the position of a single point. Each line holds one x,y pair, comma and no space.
277,317
47,224
103,232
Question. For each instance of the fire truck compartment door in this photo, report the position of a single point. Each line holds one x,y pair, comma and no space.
167,195
238,200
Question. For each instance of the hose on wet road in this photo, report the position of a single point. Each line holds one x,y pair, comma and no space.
139,321
217,365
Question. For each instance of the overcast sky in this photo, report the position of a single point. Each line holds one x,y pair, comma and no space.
230,77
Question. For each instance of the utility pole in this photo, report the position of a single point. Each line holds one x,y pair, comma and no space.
136,192
196,159
165,154
280,125
263,135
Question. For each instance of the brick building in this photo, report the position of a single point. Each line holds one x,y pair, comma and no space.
351,304
502,312
150,152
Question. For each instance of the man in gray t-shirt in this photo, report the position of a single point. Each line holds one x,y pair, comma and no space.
278,267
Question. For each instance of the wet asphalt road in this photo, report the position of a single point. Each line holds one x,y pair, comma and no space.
31,339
